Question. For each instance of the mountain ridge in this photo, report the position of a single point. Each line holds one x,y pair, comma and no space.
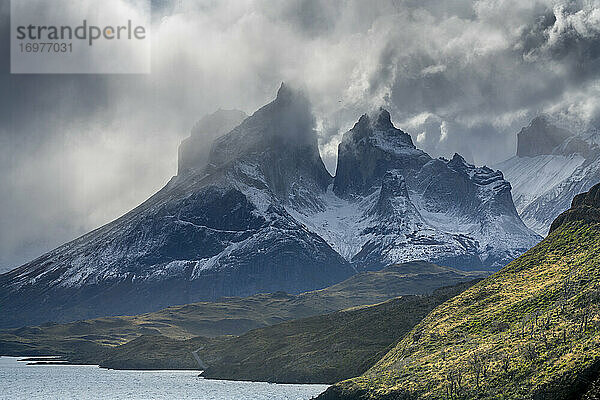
194,151
263,215
540,137
449,211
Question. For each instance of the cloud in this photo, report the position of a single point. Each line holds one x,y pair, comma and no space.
460,76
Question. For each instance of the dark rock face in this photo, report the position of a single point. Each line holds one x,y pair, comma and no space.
393,190
540,137
279,139
370,149
589,199
444,211
585,207
264,215
194,150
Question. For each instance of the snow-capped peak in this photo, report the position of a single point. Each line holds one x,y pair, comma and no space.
380,132
265,215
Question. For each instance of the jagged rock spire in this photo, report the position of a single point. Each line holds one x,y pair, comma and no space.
281,139
373,146
383,120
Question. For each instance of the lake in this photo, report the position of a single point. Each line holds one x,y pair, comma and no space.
21,381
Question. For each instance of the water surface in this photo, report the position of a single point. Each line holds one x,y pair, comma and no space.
21,381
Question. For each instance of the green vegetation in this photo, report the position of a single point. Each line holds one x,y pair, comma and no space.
531,330
85,340
323,348
149,352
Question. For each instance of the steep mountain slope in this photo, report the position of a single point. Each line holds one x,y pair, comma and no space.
391,201
264,215
231,316
203,236
540,137
531,330
552,165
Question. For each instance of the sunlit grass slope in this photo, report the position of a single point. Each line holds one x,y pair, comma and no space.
531,330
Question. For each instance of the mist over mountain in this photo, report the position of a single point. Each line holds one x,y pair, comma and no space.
461,76
540,137
195,150
264,215
553,164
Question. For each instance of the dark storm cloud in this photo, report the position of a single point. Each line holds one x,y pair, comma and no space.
570,36
484,73
459,76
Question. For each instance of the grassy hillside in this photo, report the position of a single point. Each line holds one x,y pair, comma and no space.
321,349
530,331
324,348
149,352
231,316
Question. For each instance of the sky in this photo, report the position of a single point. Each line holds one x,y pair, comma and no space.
77,151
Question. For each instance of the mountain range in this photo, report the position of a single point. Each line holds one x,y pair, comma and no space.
262,214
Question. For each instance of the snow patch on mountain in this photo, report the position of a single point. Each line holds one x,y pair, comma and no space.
545,182
532,177
340,222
